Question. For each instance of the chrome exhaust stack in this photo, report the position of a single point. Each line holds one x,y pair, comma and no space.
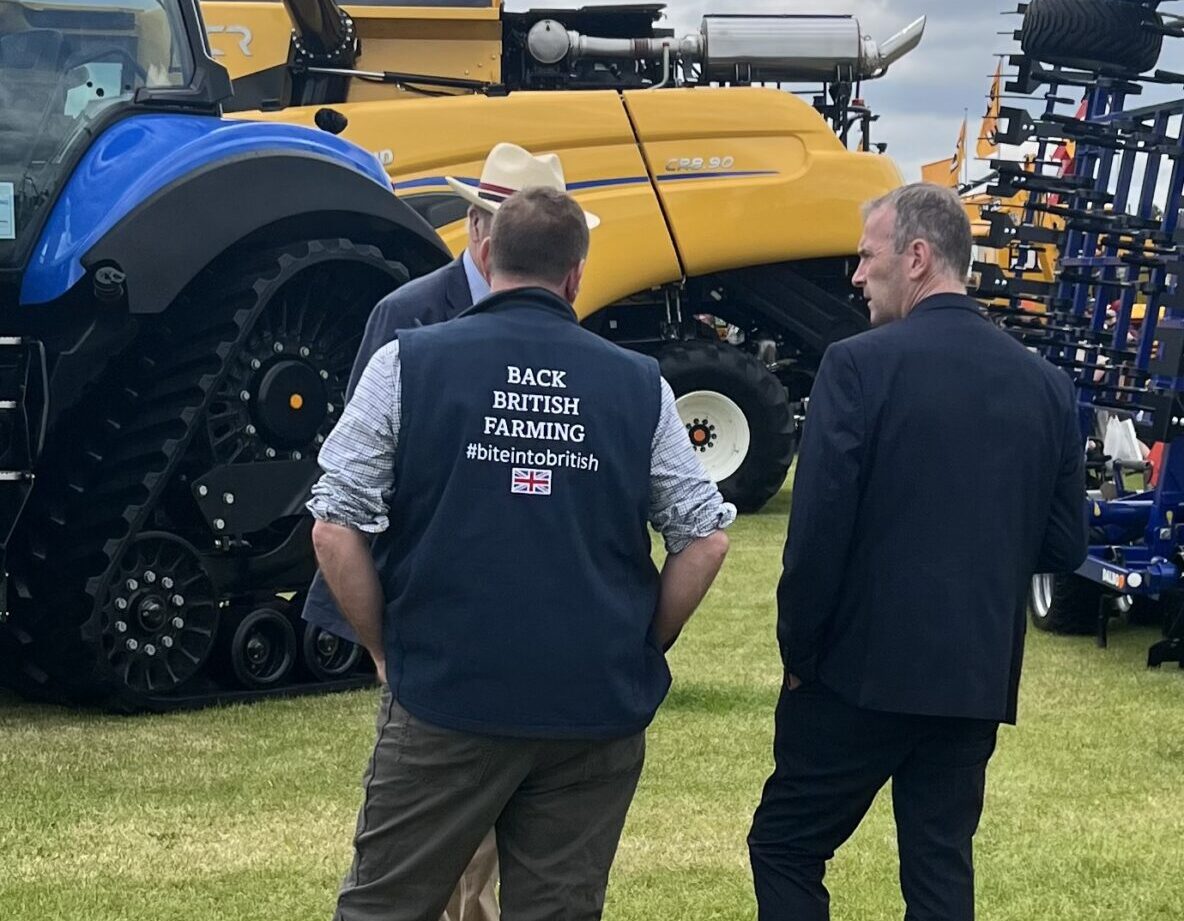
744,48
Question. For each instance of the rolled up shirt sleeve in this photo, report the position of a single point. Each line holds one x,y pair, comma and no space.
358,457
685,504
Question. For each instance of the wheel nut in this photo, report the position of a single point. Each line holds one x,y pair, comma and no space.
121,604
120,627
305,351
166,582
270,452
296,455
331,408
244,395
250,430
219,523
324,375
132,585
228,498
149,650
149,577
178,600
320,439
166,642
256,364
178,623
278,347
203,490
132,645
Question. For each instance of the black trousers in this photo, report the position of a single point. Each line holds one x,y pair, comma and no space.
831,759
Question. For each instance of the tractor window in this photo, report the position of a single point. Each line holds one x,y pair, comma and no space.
62,64
47,39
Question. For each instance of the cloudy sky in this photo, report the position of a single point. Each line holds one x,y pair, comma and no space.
922,99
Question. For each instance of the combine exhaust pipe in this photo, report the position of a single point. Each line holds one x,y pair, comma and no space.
743,48
904,41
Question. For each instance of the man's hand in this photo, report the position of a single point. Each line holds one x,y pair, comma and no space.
792,682
380,668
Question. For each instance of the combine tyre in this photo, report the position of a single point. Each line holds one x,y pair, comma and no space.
737,415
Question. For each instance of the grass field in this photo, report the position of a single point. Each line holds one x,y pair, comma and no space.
247,813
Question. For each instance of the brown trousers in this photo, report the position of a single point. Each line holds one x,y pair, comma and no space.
432,797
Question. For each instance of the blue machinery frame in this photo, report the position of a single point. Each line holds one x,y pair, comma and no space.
1117,250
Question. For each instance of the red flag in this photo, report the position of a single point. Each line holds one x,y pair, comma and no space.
1066,153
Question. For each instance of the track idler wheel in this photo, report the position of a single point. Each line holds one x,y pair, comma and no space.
262,649
159,615
327,657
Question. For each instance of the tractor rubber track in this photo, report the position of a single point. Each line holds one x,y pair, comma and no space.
128,458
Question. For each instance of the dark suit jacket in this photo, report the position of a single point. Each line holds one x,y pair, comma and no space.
941,465
433,298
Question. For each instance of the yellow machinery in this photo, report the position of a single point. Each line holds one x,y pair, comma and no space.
1034,262
725,205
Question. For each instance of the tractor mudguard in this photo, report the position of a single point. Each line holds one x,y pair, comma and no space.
154,192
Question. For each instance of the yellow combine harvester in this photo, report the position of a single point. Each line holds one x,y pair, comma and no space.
730,211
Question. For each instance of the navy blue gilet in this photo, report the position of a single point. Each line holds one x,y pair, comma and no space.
520,590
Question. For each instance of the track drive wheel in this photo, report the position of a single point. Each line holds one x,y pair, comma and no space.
327,657
1064,603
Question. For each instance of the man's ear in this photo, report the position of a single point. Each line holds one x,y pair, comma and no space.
920,259
571,285
482,260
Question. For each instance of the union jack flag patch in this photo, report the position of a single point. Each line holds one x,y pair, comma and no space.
527,482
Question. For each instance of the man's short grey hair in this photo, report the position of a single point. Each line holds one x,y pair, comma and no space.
538,233
925,211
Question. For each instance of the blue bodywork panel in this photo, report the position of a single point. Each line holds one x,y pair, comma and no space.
141,155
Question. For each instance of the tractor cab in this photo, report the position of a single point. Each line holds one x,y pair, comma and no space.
68,68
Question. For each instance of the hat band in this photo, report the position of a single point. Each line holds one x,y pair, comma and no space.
494,193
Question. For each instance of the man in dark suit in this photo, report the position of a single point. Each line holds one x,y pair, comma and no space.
433,298
940,467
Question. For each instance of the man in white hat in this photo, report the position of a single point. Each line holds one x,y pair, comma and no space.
509,169
434,298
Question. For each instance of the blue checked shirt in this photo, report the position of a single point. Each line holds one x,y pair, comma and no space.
358,460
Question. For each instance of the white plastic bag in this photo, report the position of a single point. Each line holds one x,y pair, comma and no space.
1120,441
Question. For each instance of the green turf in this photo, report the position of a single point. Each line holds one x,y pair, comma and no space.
246,813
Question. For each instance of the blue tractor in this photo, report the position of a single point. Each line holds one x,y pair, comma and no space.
181,298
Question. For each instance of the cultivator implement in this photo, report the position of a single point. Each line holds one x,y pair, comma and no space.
1113,316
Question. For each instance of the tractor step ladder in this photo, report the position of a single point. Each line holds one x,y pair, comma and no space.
24,411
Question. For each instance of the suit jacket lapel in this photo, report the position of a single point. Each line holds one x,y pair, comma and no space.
456,291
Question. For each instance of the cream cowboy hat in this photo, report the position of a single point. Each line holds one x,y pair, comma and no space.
509,169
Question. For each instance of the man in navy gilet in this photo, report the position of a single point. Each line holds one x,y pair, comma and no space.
510,461
434,298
